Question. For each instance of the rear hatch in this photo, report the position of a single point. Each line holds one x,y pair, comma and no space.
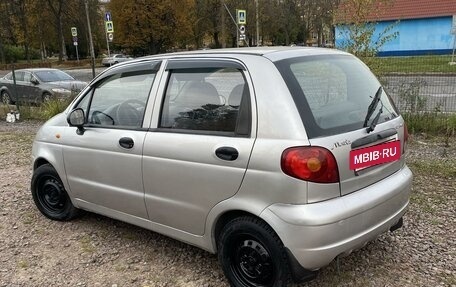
345,110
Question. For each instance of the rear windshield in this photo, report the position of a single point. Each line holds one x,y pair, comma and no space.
333,93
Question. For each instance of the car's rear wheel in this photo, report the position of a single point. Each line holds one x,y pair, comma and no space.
50,195
252,255
47,97
6,98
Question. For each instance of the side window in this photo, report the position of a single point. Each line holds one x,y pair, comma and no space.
206,99
9,76
119,100
27,77
19,76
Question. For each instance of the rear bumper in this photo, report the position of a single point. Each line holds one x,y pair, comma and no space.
316,233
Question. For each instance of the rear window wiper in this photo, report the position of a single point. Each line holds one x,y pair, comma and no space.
370,110
375,120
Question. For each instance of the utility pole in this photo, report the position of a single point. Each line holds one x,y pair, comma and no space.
92,52
223,23
257,25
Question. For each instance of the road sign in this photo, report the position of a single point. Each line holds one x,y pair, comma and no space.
241,17
75,39
110,37
109,27
108,16
74,31
75,43
242,29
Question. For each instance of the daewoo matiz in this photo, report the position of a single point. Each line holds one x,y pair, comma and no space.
277,159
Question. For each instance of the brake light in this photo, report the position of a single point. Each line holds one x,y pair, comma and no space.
406,136
315,164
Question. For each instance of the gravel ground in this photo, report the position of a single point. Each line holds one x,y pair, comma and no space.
97,251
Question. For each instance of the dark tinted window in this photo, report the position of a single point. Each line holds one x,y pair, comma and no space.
333,93
205,99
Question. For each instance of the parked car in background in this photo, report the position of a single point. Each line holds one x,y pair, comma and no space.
38,85
115,59
277,159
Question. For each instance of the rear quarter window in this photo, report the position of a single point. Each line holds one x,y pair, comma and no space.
332,92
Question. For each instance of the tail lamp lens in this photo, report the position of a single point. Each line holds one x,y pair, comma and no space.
315,164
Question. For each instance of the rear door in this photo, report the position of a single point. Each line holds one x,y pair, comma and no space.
198,153
333,94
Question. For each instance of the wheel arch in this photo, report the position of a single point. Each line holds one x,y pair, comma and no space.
39,162
223,219
226,217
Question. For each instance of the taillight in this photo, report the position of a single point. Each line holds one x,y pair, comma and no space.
315,164
406,136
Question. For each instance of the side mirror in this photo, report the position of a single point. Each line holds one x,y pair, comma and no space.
34,81
76,118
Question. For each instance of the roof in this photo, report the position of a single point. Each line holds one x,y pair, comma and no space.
275,53
410,9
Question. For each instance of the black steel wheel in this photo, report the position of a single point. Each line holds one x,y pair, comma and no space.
50,195
252,255
6,98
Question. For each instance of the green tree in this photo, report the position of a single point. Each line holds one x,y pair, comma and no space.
151,26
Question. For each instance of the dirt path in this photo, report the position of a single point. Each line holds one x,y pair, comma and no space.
97,251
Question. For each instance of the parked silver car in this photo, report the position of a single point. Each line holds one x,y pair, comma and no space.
277,159
38,85
115,59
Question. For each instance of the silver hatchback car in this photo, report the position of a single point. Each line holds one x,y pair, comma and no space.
277,159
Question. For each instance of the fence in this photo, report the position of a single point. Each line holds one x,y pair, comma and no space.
420,83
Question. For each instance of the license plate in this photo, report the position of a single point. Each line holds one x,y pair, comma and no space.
373,155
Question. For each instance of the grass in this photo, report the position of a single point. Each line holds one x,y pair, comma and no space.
438,167
415,64
433,123
42,112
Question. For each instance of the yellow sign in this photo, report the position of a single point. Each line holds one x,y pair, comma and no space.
109,27
241,17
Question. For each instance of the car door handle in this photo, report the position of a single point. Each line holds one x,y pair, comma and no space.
227,153
126,142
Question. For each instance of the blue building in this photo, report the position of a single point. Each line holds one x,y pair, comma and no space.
424,27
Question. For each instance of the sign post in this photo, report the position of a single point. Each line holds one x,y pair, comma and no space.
241,21
109,30
74,33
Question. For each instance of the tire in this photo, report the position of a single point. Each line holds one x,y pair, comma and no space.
47,97
50,196
6,98
252,255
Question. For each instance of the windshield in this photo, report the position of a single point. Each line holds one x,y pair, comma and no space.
53,76
333,93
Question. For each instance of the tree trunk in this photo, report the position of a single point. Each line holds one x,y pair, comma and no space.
62,50
2,52
216,39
